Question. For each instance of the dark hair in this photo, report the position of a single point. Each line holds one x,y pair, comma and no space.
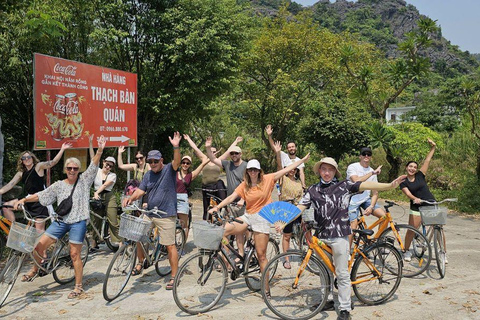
291,141
140,152
408,163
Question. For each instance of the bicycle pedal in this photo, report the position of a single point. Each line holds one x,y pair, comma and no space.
40,274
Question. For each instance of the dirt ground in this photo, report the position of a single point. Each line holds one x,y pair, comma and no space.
457,296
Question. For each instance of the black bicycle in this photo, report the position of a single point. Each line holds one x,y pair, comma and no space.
202,278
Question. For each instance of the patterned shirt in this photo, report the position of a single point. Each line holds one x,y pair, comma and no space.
330,204
61,190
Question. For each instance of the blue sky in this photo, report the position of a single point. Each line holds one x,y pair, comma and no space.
459,19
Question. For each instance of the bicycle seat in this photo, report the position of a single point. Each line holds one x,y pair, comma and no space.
364,232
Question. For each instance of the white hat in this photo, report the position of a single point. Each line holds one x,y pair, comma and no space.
253,164
111,159
188,158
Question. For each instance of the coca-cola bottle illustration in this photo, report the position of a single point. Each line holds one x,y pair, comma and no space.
59,117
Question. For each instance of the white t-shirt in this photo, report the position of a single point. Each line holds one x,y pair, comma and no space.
286,161
356,169
98,180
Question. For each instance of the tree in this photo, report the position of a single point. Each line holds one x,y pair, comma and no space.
380,83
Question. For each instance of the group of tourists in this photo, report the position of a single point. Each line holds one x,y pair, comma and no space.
335,202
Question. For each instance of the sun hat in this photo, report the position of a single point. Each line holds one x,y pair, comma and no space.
327,160
154,154
253,164
188,158
111,159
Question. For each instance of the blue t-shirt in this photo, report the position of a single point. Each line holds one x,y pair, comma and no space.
160,189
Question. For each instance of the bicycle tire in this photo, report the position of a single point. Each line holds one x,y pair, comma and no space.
440,252
252,271
180,240
3,247
108,238
302,301
422,251
119,271
190,294
9,275
388,261
162,264
64,272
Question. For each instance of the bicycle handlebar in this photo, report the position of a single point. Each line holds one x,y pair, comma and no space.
29,217
219,219
155,211
439,202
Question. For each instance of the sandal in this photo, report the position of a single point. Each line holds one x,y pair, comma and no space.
170,284
76,292
286,264
136,271
30,276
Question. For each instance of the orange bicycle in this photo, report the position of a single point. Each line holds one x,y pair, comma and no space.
301,291
5,226
395,234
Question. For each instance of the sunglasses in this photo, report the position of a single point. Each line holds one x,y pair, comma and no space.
139,158
26,157
153,161
185,162
234,153
108,165
365,154
72,168
252,169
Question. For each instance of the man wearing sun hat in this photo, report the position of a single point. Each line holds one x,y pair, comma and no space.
330,199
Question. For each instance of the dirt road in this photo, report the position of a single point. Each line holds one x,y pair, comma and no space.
457,296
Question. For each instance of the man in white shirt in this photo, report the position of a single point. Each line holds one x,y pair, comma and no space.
361,171
287,158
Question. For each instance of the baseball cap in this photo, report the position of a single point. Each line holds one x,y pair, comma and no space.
188,158
111,159
253,164
154,154
365,149
235,149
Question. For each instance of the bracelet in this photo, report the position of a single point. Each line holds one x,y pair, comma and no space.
176,148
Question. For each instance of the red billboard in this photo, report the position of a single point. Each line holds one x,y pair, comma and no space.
73,100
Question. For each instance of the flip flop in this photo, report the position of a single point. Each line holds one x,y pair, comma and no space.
135,271
170,284
30,276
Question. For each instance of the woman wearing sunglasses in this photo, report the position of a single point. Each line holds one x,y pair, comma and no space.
31,172
75,222
184,178
103,186
139,168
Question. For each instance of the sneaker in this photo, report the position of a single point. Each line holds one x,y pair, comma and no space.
344,315
407,256
329,306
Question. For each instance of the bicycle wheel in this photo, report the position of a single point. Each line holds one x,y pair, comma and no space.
119,271
162,265
108,239
180,240
303,300
9,274
64,272
200,282
440,252
376,277
252,271
420,248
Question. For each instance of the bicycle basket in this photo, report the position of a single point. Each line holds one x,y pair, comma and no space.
133,228
23,238
433,215
206,235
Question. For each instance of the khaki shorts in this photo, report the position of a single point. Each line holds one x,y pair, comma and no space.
166,228
256,222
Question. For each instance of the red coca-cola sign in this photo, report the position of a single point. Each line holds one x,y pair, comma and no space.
74,100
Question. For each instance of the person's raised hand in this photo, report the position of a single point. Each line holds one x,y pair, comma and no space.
186,137
208,142
378,170
66,145
175,141
268,130
431,142
399,180
238,139
101,141
306,158
277,146
121,149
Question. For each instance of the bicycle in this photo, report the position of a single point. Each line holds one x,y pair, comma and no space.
436,217
302,291
395,234
137,231
202,278
21,240
104,232
5,226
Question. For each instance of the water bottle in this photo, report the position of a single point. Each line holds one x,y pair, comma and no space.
278,189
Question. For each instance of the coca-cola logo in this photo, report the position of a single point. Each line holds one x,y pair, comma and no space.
66,70
69,108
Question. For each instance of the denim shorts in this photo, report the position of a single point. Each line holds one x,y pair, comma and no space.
354,211
182,203
76,231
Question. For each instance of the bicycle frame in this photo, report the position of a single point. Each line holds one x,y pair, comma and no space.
5,225
100,233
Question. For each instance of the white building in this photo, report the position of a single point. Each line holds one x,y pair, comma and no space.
394,115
